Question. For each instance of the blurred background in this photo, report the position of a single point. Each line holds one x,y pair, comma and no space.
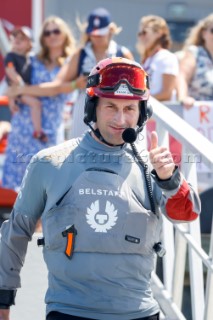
180,15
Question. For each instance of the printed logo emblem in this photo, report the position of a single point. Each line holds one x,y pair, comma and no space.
123,90
96,22
101,222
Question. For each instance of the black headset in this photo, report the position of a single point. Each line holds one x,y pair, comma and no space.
91,104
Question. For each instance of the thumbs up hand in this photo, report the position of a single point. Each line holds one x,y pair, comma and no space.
161,158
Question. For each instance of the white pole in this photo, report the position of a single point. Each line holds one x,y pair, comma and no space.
4,41
4,48
37,20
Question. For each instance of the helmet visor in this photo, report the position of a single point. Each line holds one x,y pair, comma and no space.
110,78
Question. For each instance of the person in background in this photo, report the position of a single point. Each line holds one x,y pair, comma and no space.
97,44
196,64
161,64
57,45
153,44
101,208
18,71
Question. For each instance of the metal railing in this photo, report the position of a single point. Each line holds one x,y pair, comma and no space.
182,240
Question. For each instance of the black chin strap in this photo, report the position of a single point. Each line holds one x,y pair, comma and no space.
99,136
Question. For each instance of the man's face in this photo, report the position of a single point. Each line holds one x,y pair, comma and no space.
114,116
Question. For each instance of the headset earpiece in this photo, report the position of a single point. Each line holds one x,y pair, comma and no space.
146,112
90,109
149,110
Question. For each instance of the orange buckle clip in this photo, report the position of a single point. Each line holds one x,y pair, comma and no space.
70,233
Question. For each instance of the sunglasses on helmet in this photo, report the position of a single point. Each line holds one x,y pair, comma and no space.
109,78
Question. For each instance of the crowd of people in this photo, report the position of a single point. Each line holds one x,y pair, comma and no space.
96,214
61,67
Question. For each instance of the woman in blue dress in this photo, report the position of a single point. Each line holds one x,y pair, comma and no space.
57,44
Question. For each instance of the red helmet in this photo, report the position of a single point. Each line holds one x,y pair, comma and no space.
118,78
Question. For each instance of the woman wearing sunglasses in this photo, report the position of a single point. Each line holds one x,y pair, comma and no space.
196,64
57,44
161,65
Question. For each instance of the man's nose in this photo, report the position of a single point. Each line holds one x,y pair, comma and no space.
119,117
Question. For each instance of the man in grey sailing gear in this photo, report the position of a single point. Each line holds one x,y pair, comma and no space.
101,207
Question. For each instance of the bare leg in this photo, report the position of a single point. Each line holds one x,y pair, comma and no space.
13,106
4,314
35,108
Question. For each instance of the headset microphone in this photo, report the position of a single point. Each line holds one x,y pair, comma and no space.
129,135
